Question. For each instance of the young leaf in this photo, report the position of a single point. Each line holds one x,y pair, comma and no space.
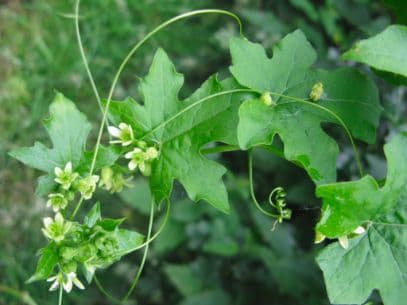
347,95
181,129
93,216
376,259
386,51
46,264
68,129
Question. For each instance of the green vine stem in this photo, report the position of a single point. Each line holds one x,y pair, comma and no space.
61,294
252,193
21,295
145,244
143,260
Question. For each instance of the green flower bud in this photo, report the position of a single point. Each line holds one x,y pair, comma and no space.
266,99
316,92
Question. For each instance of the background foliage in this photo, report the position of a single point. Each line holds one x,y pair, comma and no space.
203,256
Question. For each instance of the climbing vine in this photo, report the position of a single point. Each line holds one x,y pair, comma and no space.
164,139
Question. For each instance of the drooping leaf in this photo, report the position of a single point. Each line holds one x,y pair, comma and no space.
46,264
348,95
386,51
181,129
378,258
68,129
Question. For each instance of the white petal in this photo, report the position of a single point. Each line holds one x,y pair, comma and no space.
114,131
78,283
52,278
132,165
47,221
68,285
359,230
123,126
127,143
142,166
115,142
58,171
54,286
129,155
59,219
68,167
344,242
55,209
45,232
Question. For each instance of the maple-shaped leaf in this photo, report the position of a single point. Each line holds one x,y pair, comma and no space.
378,258
68,129
347,95
181,129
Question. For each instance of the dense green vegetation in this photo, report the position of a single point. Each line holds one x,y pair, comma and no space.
204,256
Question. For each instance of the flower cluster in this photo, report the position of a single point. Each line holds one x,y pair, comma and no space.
69,182
141,154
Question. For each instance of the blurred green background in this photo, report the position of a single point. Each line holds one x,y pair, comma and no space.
203,257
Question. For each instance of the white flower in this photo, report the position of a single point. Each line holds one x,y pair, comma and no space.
151,153
136,157
65,176
66,280
87,186
359,230
57,201
56,229
124,134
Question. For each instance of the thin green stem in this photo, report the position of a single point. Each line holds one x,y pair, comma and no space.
193,105
105,292
78,206
219,149
21,295
133,51
143,260
61,294
84,59
148,241
251,183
